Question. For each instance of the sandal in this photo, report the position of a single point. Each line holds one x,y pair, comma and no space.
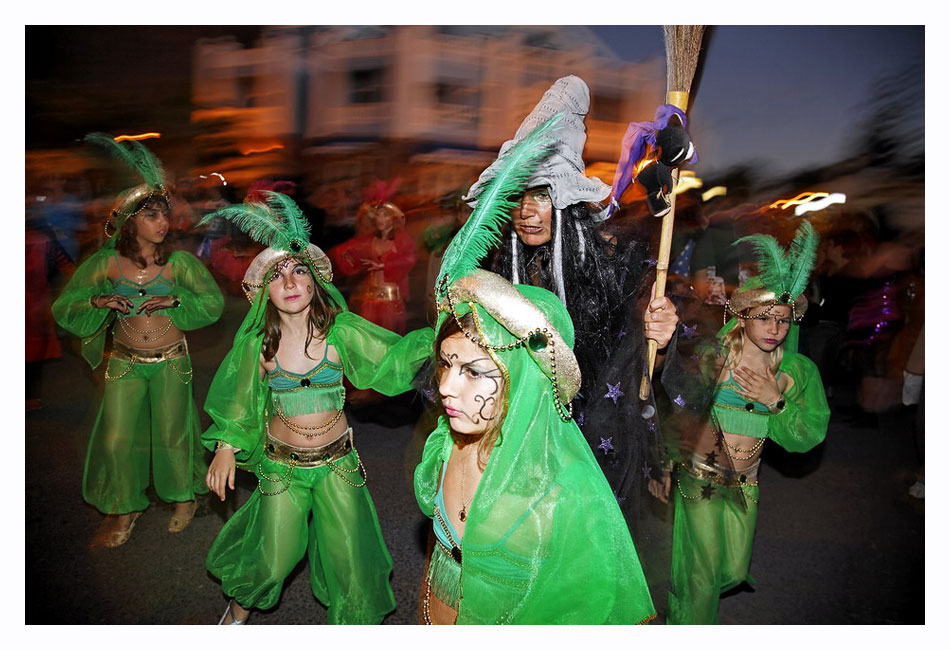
177,524
118,538
234,620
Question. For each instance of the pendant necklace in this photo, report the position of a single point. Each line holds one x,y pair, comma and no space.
463,513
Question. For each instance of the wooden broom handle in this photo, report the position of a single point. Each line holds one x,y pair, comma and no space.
680,100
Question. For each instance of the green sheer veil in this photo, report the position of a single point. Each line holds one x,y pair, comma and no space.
545,541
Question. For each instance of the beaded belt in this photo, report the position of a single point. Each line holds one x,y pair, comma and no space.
149,355
303,457
715,473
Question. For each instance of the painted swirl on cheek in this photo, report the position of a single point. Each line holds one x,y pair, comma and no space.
487,403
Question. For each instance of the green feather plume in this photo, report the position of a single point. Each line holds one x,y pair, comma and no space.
773,265
482,231
296,227
135,155
277,223
801,258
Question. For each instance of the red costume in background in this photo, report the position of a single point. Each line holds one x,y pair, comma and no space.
381,295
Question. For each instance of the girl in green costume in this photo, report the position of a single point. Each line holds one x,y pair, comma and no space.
277,404
765,390
149,297
526,527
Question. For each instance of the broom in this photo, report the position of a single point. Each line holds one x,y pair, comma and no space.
682,44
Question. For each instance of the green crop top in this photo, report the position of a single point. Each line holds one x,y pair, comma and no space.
315,391
140,292
732,413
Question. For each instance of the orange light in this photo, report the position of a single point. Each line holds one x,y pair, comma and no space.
804,197
273,147
140,136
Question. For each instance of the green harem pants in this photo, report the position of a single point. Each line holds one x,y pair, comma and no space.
712,546
265,539
147,421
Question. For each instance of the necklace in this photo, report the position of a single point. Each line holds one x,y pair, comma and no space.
463,513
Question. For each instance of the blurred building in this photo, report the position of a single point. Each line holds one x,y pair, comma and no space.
343,105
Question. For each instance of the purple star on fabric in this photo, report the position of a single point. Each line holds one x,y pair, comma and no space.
613,391
689,332
679,401
652,425
619,499
647,473
621,334
580,420
651,261
607,444
694,356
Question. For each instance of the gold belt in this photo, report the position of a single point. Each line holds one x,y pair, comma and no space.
387,291
715,473
281,452
149,355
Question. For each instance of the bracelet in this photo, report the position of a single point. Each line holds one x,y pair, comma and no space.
223,445
778,405
176,302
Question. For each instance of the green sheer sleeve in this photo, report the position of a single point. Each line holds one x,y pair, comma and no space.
236,398
804,422
201,300
373,357
74,313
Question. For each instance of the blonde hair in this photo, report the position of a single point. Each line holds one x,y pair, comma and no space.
732,344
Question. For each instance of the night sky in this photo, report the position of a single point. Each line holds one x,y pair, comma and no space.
790,97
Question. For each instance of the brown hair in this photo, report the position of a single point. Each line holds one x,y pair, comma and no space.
450,327
126,243
322,315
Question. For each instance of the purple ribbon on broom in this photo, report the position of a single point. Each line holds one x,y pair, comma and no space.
633,148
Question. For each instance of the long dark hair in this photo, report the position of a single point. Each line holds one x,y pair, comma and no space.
126,243
322,315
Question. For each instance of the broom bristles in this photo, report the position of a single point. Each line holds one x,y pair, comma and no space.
682,55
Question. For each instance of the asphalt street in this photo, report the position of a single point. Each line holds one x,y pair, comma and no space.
838,541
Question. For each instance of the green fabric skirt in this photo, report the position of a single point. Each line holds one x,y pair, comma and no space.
310,511
712,546
147,422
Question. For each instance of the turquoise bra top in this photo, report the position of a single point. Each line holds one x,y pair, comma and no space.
315,391
733,414
436,527
139,293
325,372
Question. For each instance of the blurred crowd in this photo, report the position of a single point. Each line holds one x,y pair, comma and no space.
864,327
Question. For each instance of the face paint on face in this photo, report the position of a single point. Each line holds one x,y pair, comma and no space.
291,287
470,385
532,219
767,328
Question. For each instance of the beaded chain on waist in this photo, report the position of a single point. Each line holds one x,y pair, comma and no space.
698,467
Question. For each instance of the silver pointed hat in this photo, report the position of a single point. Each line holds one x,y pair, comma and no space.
563,170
